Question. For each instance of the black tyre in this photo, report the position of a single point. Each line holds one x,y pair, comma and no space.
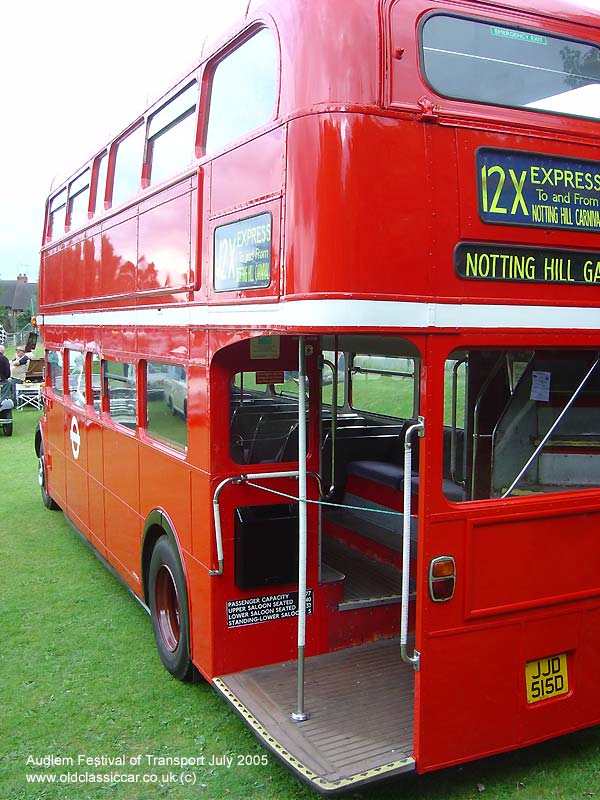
169,610
8,428
46,499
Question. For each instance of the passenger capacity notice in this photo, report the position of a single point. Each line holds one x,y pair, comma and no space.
495,262
266,608
517,188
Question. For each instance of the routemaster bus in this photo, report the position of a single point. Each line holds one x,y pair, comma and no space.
322,383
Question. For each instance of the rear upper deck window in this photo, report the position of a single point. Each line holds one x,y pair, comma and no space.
243,91
495,64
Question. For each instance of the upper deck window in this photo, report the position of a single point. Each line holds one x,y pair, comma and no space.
57,215
128,166
244,91
79,198
171,135
98,188
495,64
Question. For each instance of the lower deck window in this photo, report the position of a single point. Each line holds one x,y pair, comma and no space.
264,417
95,366
167,402
521,423
383,385
120,391
54,371
76,369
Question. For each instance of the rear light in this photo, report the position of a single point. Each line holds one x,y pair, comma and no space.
442,579
442,567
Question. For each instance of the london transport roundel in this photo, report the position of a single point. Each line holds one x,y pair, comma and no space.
75,437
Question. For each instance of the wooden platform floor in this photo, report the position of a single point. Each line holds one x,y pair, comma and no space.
360,702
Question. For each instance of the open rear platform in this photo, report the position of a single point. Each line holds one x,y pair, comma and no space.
360,706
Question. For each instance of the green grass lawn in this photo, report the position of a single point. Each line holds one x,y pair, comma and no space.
80,677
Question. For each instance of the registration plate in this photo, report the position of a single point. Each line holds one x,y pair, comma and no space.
546,678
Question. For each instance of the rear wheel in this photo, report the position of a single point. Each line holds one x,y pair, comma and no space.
8,428
46,499
169,609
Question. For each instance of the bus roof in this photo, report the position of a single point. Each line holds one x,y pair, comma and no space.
308,30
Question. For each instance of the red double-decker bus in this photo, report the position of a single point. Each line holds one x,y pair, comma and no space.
322,383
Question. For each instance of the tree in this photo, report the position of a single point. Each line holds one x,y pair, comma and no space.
23,319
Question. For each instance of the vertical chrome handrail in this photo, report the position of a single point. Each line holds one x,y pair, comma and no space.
300,714
334,403
458,364
418,427
486,384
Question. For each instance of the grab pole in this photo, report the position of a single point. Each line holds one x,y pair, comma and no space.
300,714
415,659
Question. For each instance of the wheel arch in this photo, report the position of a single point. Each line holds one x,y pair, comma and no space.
159,524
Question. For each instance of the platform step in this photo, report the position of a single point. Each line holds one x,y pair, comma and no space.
367,582
368,524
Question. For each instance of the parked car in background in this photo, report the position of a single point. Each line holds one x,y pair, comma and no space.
176,390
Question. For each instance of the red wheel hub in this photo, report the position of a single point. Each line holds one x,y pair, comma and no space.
167,608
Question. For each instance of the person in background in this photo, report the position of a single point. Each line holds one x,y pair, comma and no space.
4,375
18,367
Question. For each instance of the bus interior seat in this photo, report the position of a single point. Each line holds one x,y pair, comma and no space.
390,472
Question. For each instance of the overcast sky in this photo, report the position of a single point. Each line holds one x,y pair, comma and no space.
72,74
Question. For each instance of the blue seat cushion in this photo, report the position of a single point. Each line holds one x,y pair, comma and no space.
452,491
384,473
379,471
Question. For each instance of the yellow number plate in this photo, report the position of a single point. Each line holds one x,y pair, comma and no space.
546,678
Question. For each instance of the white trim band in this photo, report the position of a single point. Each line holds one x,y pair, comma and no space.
332,314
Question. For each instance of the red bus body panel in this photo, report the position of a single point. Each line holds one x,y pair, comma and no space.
371,182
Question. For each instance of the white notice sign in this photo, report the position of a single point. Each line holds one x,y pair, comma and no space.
540,386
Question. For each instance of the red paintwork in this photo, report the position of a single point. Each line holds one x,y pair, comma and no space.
368,197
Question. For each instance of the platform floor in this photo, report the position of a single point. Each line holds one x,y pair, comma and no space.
360,706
